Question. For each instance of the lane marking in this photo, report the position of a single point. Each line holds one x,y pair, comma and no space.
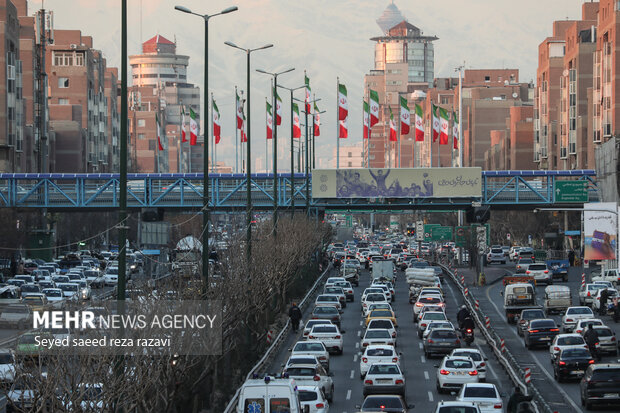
355,358
352,373
349,394
357,345
423,359
359,333
430,396
426,376
361,322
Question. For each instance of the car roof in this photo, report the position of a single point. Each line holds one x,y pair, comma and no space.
487,385
463,358
380,346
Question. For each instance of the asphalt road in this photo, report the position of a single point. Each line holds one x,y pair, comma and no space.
420,373
563,397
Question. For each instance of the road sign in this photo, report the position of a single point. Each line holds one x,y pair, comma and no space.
462,234
441,234
508,236
481,237
427,231
419,231
571,191
349,221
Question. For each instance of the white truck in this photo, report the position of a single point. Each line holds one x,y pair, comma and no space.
270,395
383,269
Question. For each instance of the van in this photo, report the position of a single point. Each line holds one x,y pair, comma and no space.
270,395
557,299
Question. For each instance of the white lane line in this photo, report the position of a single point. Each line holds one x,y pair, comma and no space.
352,373
361,322
423,359
430,396
542,368
357,345
355,358
421,345
359,333
426,376
349,394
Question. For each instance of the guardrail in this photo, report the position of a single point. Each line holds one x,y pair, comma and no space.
277,342
515,372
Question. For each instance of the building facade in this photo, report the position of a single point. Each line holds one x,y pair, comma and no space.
351,156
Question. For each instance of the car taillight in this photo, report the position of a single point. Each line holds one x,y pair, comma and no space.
430,341
613,339
394,334
483,364
591,362
337,337
367,381
546,271
394,359
364,344
562,363
473,373
419,304
364,360
444,372
317,378
578,331
423,325
533,331
554,329
556,348
497,406
527,272
322,358
399,381
320,405
311,337
569,320
589,294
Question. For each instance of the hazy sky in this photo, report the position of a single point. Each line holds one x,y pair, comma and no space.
328,38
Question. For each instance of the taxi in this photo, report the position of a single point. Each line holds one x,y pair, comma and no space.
381,313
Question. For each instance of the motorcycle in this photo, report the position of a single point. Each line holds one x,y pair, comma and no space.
468,336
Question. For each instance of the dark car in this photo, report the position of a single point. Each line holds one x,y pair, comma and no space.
571,363
600,384
540,332
441,341
326,312
383,403
527,316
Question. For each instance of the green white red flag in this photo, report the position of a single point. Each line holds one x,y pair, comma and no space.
405,116
278,109
307,82
159,145
393,137
269,122
455,131
366,120
444,126
419,124
183,136
193,128
317,121
436,125
240,116
343,131
374,107
296,122
343,103
217,127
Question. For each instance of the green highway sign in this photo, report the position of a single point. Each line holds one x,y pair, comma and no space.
461,236
427,231
441,233
349,221
571,191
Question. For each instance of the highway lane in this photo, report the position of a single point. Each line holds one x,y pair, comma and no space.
420,373
561,396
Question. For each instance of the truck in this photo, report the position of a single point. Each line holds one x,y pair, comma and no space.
383,269
187,256
559,268
518,279
269,395
518,297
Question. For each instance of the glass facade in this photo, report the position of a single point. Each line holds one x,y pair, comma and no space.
419,54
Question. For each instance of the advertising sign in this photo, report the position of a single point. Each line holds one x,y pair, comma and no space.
397,183
600,228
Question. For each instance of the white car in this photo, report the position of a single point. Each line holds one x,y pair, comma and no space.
331,281
329,335
581,325
303,359
436,324
382,323
370,298
111,276
514,253
70,291
371,290
496,255
312,323
476,356
384,378
314,398
448,407
574,314
54,295
7,365
540,272
611,293
587,293
563,341
312,348
427,317
426,300
328,299
307,374
378,336
374,354
386,290
485,395
454,372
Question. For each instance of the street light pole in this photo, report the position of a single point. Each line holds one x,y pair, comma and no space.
291,90
306,157
205,152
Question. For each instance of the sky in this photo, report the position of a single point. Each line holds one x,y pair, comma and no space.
327,38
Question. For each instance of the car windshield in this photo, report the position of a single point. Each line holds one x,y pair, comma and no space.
29,288
377,334
301,360
475,356
309,347
458,409
382,402
603,332
384,369
537,267
570,341
610,375
328,298
312,323
375,297
497,251
69,287
458,364
374,324
324,329
575,352
429,299
434,316
300,371
307,395
477,392
28,339
443,334
580,310
379,352
6,358
53,293
325,310
525,261
542,324
381,313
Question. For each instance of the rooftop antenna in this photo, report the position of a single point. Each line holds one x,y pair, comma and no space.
140,21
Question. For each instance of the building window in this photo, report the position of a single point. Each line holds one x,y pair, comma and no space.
350,164
151,145
63,101
350,154
63,58
141,123
487,78
141,136
63,82
79,59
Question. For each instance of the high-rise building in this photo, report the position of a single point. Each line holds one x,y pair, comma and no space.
160,91
351,156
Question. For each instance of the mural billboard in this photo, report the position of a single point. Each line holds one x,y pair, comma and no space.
397,183
600,229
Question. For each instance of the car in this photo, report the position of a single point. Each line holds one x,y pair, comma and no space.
526,316
70,290
582,324
312,375
456,407
596,303
384,403
427,317
111,276
312,322
587,293
527,252
485,395
436,324
312,348
30,288
95,278
523,264
563,341
381,313
600,383
314,398
7,365
607,343
329,335
347,288
382,323
441,341
338,292
46,284
60,279
476,356
16,315
540,272
385,289
454,372
54,295
384,378
571,363
496,255
540,332
377,336
377,297
424,300
513,253
377,353
331,281
574,314
25,278
326,312
37,301
328,299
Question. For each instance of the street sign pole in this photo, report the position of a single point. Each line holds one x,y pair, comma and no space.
481,233
419,234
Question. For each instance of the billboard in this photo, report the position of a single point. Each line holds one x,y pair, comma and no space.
397,183
600,229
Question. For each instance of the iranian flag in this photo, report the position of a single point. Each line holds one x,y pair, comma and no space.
444,126
183,136
240,116
278,109
419,124
366,120
296,122
405,116
159,145
455,131
193,128
307,82
217,127
343,131
343,103
435,124
317,121
374,107
269,121
393,137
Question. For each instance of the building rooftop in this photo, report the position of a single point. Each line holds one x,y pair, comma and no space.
158,44
391,17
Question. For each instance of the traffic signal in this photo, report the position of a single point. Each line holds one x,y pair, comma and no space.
410,232
478,215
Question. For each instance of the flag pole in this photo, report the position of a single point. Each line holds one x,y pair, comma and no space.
212,137
267,146
460,117
180,149
337,125
236,136
399,130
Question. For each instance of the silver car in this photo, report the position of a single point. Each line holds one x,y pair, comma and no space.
540,272
384,378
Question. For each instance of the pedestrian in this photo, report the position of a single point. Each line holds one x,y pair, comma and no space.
616,310
591,337
516,399
571,258
294,314
603,302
